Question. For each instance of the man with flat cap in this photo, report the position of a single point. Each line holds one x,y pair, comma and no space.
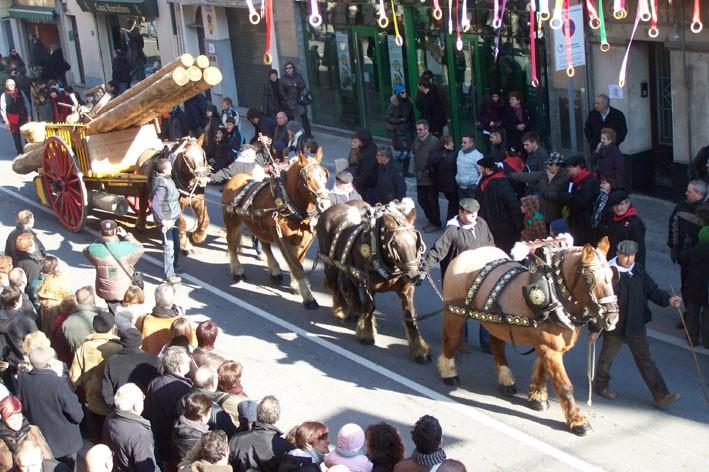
634,288
464,232
343,191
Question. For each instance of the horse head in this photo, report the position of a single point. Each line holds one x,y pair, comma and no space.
310,187
191,165
598,277
402,245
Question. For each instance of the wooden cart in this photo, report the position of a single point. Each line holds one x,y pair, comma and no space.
95,163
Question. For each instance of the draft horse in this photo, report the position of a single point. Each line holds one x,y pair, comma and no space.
582,278
367,250
190,172
281,210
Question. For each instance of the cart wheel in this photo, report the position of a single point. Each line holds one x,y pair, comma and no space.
65,184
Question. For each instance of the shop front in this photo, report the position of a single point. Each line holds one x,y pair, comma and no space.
353,64
36,30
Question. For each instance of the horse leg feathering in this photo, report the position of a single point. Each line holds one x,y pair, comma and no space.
447,370
577,422
505,378
538,396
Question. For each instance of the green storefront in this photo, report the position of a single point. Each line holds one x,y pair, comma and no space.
353,64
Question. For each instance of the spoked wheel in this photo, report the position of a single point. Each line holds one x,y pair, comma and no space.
64,183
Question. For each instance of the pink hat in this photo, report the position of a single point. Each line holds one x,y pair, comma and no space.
350,440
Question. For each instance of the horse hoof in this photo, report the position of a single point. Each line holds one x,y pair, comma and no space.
508,390
238,277
311,305
452,381
537,405
277,279
581,430
366,341
423,358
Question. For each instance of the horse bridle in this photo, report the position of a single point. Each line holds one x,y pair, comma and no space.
199,172
305,174
587,273
388,242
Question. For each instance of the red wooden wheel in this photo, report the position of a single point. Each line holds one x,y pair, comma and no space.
64,183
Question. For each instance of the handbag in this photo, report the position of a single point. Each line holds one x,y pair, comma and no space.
306,98
136,278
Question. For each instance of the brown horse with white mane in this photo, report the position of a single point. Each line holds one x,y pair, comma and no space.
281,210
473,288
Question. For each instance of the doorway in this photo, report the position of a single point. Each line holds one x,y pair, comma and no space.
661,116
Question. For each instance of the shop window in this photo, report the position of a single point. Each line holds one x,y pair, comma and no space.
138,37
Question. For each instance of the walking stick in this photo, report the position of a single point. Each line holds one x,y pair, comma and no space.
694,353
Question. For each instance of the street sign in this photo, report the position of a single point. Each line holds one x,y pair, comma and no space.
578,53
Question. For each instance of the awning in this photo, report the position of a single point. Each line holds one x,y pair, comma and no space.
147,8
33,14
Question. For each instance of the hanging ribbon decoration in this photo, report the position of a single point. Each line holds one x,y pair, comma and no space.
696,25
644,10
496,23
383,19
267,58
605,45
315,18
398,39
465,22
458,39
254,16
263,8
653,32
567,40
437,11
624,65
533,43
556,20
544,14
619,10
450,16
593,21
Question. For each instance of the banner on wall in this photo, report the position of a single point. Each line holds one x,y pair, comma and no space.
343,61
578,53
396,63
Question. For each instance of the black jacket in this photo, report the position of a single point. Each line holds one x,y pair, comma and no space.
127,365
218,418
366,177
30,263
258,450
500,209
49,403
633,292
594,124
266,126
580,202
444,168
695,287
549,190
161,400
272,98
684,226
131,439
391,183
400,120
432,108
121,69
514,135
291,463
11,249
14,326
184,436
455,240
628,227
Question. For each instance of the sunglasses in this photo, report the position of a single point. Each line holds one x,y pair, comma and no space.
323,437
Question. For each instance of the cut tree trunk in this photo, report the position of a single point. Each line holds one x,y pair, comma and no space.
29,161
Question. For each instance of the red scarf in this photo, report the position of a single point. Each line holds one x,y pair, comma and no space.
579,178
489,178
515,163
631,212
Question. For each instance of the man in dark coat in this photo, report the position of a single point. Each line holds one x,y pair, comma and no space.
602,116
128,434
364,152
580,199
424,146
121,71
24,221
499,206
624,224
27,255
50,404
273,100
607,159
400,120
14,326
498,145
164,394
431,107
634,288
196,110
695,260
262,448
444,169
551,183
391,184
129,365
263,124
205,383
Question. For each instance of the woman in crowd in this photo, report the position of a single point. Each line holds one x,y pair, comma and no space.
384,447
14,429
232,392
311,442
131,308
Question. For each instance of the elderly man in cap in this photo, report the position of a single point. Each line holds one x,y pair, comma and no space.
343,191
634,288
114,255
498,204
465,232
580,198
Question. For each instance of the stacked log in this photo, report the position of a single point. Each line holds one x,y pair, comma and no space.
175,83
30,161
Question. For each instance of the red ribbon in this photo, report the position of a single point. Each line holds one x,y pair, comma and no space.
267,59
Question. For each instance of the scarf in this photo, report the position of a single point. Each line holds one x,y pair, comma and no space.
576,181
429,460
456,222
318,457
598,209
13,438
344,191
489,178
631,212
623,270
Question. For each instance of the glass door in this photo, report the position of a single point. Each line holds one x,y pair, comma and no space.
373,79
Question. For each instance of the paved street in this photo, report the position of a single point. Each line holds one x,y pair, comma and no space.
319,371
